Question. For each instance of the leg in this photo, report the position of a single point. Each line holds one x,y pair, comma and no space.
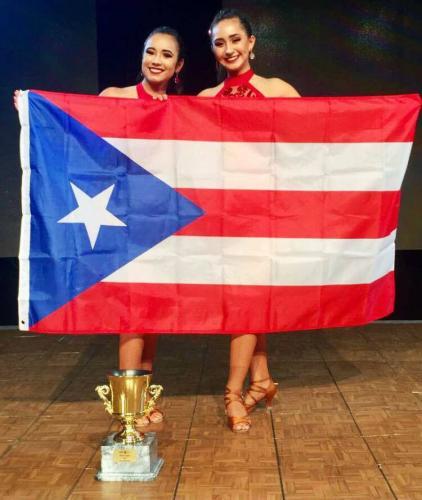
262,385
148,354
136,352
131,348
241,351
242,348
259,364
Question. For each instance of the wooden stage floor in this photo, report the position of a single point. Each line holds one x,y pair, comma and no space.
347,423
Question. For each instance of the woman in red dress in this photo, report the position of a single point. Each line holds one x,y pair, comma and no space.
233,43
162,61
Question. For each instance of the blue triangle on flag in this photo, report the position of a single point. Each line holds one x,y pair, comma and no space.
63,262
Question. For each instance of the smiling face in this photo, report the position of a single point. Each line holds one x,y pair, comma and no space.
160,59
232,45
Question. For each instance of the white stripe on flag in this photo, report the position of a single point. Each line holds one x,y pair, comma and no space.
261,261
271,166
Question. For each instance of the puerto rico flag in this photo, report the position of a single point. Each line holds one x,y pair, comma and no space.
201,215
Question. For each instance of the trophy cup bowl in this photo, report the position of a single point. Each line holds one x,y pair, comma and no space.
131,397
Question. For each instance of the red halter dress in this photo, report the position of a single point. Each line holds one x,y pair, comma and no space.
239,86
142,94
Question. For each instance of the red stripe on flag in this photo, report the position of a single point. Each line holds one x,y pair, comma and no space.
209,309
305,119
293,214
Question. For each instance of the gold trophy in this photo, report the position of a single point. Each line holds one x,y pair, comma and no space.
129,455
132,397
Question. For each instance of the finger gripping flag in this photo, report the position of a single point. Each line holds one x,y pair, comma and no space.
201,215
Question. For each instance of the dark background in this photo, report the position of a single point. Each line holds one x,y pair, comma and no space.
322,48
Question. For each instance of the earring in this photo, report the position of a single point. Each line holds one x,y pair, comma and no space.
251,56
176,78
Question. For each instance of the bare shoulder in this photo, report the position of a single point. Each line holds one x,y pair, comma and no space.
211,92
274,87
280,88
129,92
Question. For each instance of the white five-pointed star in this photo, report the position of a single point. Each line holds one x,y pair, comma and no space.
92,212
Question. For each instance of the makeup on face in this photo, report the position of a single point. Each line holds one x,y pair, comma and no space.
232,46
160,58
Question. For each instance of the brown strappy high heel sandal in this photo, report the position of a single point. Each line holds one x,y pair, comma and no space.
269,393
236,424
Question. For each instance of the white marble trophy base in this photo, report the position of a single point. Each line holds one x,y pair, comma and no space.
129,462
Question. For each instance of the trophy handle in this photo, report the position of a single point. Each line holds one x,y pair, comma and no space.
102,391
155,392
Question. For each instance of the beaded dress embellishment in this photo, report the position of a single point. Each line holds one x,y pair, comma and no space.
240,86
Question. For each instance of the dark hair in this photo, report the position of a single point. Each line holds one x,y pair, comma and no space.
173,88
166,30
231,14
